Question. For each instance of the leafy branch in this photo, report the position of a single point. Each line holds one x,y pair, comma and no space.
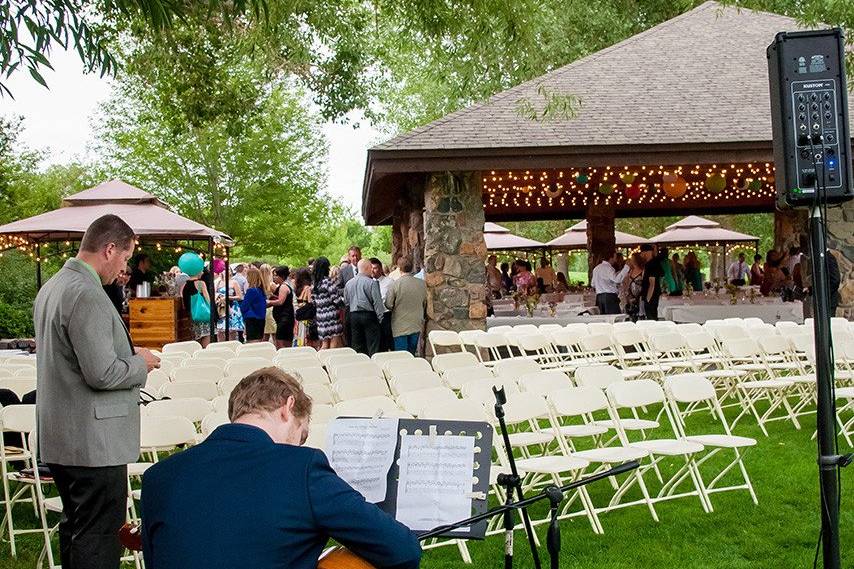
556,107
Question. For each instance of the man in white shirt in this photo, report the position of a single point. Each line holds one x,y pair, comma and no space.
606,282
377,273
738,271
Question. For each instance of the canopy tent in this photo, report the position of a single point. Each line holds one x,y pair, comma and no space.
150,219
576,238
148,216
695,230
500,238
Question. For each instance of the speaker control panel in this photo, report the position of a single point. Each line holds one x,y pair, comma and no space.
816,123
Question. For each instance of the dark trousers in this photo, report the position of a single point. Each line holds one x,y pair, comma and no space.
387,340
365,332
94,507
608,303
651,309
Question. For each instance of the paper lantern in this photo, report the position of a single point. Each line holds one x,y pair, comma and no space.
191,264
628,178
606,189
633,191
553,191
771,179
676,188
754,185
715,183
582,178
740,184
669,178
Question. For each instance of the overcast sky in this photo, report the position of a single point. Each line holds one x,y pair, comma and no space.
57,120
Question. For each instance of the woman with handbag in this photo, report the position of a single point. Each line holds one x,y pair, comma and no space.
197,303
305,329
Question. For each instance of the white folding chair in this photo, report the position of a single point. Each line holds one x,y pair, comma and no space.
544,382
423,402
257,350
161,433
213,420
297,362
227,384
455,378
310,375
691,389
370,407
215,356
516,368
218,362
189,347
296,351
220,404
208,373
322,413
357,369
360,387
241,367
193,409
444,339
345,359
324,355
444,362
415,382
20,386
186,389
319,393
641,393
381,358
395,368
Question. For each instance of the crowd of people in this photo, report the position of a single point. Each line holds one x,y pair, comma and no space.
635,284
357,302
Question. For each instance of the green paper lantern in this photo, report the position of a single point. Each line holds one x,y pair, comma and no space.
715,183
606,189
582,178
754,185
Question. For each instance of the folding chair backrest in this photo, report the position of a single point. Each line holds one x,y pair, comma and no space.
667,342
189,347
194,408
208,373
316,436
324,355
322,413
421,403
784,326
628,338
20,386
382,357
220,404
186,389
499,329
546,328
752,322
216,355
415,381
219,363
575,401
536,342
457,377
522,407
726,333
569,339
689,328
700,341
166,432
444,339
227,384
544,382
370,407
578,328
319,393
241,367
358,369
635,393
18,418
459,410
309,374
213,420
225,350
481,391
360,387
596,343
444,362
301,355
469,337
774,345
802,342
296,350
156,379
621,326
345,359
525,329
258,349
689,388
515,368
598,376
604,328
743,348
297,362
394,368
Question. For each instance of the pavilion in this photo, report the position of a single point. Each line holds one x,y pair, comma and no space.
675,120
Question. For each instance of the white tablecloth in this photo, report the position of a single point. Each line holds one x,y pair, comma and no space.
493,321
699,313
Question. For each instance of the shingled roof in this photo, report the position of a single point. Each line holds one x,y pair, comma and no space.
693,87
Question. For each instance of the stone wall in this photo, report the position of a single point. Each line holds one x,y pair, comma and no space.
840,229
454,251
789,225
408,225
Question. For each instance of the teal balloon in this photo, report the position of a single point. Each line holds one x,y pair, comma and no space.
191,264
582,179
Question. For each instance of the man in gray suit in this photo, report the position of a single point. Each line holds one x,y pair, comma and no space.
89,376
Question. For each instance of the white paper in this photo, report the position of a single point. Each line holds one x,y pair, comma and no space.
361,451
436,480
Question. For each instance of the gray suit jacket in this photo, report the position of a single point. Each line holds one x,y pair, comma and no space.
88,376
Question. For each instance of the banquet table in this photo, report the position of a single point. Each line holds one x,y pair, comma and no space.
700,313
494,321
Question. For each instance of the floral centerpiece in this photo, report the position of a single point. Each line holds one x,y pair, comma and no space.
733,293
529,301
752,296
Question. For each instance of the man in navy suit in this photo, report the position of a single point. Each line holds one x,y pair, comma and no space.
250,496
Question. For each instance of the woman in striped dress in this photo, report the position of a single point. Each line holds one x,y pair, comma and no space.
327,298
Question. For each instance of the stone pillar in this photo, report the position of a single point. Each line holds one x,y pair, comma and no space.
562,263
600,235
840,230
454,252
789,225
408,225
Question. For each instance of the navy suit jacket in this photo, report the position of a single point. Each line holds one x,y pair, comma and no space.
240,500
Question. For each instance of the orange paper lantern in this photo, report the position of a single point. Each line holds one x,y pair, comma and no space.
675,188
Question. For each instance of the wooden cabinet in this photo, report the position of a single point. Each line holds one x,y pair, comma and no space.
158,321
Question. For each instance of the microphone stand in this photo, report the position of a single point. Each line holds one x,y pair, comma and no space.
512,483
555,496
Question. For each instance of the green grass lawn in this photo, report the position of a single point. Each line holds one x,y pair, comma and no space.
780,532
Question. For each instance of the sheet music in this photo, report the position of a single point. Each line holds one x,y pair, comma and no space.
435,483
361,451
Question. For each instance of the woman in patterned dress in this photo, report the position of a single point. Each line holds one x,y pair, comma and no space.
327,297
